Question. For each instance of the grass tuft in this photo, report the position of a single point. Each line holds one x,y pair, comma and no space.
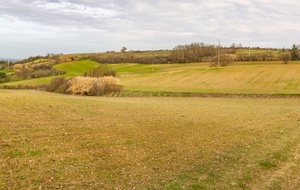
267,164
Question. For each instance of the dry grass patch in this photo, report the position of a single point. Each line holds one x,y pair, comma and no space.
94,86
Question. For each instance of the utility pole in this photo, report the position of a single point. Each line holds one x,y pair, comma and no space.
219,47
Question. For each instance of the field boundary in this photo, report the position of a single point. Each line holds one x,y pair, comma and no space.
204,95
169,94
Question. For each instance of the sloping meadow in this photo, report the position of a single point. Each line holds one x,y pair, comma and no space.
245,78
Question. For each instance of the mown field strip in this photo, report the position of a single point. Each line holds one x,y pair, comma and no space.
264,78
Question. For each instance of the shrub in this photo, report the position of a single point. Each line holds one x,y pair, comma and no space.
224,60
24,73
18,66
41,66
134,57
94,86
59,85
3,77
112,84
17,87
101,71
40,73
295,55
63,89
83,85
286,57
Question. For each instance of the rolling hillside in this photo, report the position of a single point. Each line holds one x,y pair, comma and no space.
73,68
266,78
76,68
245,78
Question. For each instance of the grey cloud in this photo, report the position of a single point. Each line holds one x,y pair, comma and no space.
60,13
154,23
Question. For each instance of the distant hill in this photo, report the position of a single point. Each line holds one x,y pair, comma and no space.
249,71
10,59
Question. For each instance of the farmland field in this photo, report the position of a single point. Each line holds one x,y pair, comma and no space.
238,78
255,78
54,141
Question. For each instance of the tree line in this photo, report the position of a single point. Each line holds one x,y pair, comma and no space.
198,52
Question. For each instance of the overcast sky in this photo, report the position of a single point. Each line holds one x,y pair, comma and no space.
38,27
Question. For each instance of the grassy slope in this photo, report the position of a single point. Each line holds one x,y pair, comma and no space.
53,141
74,68
247,77
273,77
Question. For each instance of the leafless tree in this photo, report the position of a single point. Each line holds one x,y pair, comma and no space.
286,57
123,50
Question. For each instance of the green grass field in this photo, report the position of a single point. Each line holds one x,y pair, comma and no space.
76,68
54,141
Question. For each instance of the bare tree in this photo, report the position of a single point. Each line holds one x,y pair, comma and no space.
194,52
286,57
223,61
123,50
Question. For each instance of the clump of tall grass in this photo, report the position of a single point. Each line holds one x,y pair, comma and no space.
89,86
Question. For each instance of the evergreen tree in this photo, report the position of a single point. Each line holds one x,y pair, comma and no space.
295,53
